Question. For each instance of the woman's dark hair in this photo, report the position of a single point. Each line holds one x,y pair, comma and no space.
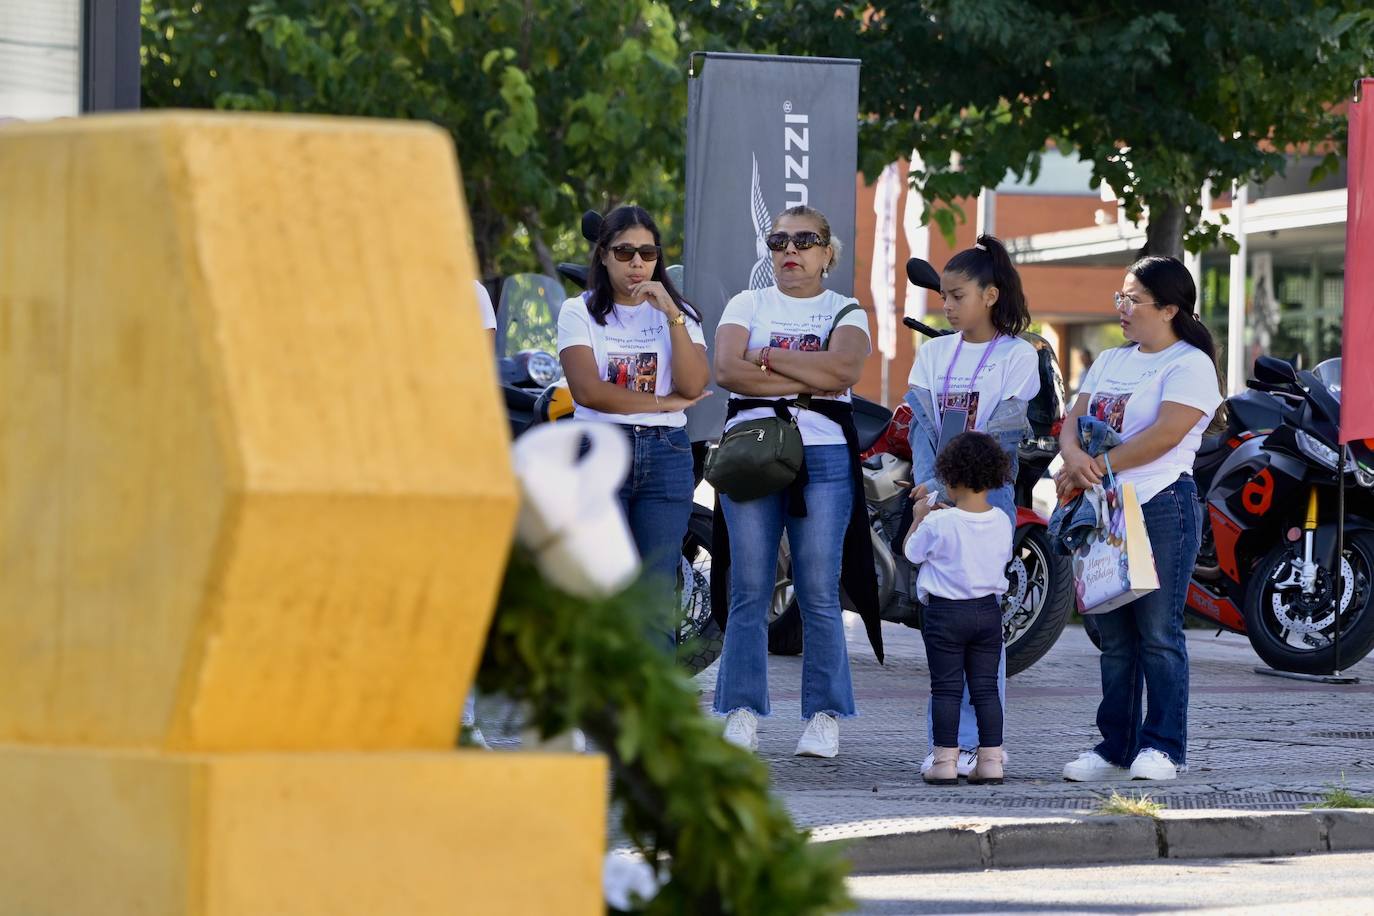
602,298
988,264
1170,283
974,461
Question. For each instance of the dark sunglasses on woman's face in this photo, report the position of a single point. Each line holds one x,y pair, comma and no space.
628,252
803,240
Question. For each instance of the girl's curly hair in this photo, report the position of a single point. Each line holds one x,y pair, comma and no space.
974,461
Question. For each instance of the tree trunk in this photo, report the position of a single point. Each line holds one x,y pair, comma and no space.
1164,233
541,248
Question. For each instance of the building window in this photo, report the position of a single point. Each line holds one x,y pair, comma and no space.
40,58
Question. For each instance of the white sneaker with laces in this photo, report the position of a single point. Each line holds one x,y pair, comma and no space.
742,729
821,738
1153,764
1090,767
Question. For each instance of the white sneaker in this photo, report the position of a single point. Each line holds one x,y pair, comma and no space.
967,761
742,729
1153,764
821,738
1090,767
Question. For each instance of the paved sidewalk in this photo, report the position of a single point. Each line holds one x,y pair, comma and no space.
1256,743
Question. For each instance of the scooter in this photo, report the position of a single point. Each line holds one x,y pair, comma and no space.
1040,599
1268,563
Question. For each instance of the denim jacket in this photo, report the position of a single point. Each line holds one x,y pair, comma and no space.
1007,425
1074,520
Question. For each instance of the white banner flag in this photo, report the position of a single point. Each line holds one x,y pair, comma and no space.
884,276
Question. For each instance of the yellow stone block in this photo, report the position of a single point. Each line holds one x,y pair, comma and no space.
90,833
255,491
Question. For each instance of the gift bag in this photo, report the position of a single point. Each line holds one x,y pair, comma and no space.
1116,564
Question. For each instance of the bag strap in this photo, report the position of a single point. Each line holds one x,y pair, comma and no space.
804,400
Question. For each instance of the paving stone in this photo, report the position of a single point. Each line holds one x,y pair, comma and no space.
1104,839
1235,835
1348,830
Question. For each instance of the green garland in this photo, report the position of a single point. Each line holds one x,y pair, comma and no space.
687,796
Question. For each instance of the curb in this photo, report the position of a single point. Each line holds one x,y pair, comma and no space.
908,846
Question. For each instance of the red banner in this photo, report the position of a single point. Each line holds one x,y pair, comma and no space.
1357,343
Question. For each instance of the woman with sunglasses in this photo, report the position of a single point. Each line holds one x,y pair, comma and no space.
634,354
1159,393
766,353
982,377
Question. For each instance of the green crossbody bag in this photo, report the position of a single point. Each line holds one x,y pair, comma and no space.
761,457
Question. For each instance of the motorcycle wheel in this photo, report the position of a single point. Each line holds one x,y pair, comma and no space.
699,639
1293,633
1038,602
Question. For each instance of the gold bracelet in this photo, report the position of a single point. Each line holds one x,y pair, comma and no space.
679,321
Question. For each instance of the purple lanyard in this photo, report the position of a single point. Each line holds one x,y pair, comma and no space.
973,382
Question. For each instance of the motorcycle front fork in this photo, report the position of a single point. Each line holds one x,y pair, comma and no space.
1308,579
1303,574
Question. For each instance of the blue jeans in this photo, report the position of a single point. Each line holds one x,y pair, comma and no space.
657,499
1144,654
817,542
963,647
1001,498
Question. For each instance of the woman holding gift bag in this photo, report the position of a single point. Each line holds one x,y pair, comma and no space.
635,356
1159,393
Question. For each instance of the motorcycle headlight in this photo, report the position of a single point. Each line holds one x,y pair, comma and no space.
1317,450
543,368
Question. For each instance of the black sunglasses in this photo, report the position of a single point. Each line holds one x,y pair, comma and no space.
803,240
628,252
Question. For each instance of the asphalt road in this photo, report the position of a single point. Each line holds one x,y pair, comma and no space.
1332,885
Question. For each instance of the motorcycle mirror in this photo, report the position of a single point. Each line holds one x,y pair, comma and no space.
573,273
591,225
921,274
1274,371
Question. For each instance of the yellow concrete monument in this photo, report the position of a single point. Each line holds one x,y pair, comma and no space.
255,503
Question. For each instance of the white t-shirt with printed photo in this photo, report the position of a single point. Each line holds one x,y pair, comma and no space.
784,322
1012,370
632,349
1125,389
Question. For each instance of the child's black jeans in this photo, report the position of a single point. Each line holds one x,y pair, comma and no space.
964,640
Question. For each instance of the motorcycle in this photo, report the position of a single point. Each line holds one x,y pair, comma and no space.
1040,597
1268,565
535,392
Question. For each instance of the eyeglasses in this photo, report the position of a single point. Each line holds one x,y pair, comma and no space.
628,252
1126,303
802,240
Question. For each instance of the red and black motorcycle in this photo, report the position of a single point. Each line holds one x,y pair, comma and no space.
1268,567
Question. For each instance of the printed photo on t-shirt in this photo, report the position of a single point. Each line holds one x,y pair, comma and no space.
808,342
1110,409
963,400
633,371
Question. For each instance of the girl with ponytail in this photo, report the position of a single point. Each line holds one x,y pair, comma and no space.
1159,392
980,378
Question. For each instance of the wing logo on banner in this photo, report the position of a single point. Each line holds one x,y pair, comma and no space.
761,277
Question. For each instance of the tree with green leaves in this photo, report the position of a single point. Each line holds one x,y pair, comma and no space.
555,107
1159,97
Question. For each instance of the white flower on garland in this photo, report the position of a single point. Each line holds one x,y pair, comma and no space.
570,515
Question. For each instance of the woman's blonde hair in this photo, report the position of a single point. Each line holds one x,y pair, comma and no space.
836,246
